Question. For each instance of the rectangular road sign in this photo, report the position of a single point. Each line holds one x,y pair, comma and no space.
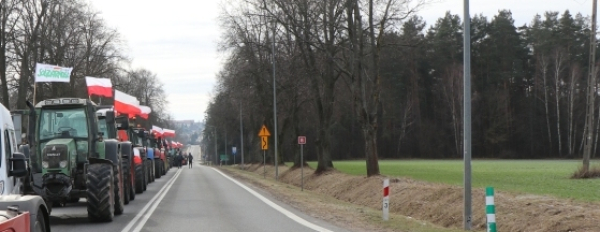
224,158
301,139
264,143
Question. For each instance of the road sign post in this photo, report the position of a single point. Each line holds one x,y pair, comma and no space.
233,150
264,145
302,141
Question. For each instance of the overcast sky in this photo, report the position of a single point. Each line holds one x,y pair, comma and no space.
177,39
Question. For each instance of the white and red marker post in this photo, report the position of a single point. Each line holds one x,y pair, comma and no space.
386,199
302,141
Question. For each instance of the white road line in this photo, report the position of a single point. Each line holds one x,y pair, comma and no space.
277,207
142,212
155,204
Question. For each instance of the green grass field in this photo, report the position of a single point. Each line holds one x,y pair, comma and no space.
540,177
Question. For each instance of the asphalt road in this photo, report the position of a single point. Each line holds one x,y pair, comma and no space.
196,199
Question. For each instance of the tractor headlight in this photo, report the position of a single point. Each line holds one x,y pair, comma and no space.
45,164
63,164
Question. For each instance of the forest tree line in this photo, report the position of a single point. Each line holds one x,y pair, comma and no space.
68,33
371,80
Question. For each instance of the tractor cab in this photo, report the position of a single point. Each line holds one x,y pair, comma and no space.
66,141
64,133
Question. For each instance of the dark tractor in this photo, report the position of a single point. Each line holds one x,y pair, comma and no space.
71,160
109,124
159,157
138,138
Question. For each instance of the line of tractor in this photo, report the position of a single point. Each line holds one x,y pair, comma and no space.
76,149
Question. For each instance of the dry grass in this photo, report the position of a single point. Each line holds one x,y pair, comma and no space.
593,172
439,204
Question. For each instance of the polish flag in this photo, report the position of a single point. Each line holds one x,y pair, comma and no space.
126,104
145,111
168,133
99,86
157,130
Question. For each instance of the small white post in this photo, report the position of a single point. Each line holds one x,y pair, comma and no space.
386,199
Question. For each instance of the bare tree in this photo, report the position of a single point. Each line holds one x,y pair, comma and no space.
559,66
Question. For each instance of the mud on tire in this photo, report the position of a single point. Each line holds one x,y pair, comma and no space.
100,192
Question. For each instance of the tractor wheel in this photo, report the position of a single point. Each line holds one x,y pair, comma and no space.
150,171
126,182
40,222
139,179
100,192
119,193
157,171
132,183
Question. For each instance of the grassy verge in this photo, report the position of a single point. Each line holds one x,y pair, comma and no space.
540,177
337,212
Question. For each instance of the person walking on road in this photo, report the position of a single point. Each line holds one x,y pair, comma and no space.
190,158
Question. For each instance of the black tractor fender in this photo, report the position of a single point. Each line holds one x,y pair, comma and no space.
92,160
111,149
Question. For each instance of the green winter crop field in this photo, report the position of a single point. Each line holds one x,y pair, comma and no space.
540,177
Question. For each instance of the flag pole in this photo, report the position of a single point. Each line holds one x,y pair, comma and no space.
34,88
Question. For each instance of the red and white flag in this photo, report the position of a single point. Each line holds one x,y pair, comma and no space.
145,111
168,133
99,86
126,104
157,130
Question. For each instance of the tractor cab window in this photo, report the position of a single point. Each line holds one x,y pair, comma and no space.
102,127
63,123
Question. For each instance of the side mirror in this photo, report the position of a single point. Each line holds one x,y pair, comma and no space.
122,125
19,165
110,117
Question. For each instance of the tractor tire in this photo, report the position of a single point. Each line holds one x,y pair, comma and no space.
132,183
100,192
40,222
126,182
157,170
150,171
139,179
119,193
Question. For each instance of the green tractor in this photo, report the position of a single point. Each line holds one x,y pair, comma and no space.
109,124
71,160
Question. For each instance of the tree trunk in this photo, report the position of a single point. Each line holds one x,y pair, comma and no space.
558,66
544,64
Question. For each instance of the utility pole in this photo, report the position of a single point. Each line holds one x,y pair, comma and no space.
216,148
467,116
275,105
241,136
592,91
